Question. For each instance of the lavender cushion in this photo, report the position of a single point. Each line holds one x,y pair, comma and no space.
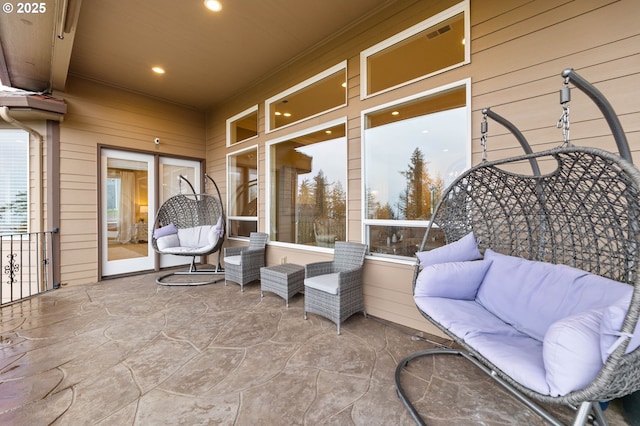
464,318
571,352
610,327
519,356
532,295
459,251
165,230
453,280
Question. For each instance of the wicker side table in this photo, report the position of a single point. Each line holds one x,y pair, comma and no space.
285,280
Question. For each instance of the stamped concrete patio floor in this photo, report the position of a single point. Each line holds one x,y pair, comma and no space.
130,352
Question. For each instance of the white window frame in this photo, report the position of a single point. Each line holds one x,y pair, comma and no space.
405,223
462,7
268,144
242,218
27,163
308,82
237,117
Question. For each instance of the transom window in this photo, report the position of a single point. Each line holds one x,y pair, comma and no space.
308,181
242,126
412,150
435,45
319,94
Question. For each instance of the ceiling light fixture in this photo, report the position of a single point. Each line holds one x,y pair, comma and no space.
287,114
158,70
395,113
213,5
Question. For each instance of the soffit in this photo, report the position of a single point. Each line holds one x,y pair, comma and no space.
207,56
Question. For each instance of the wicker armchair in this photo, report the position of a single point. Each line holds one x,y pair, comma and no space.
242,264
333,289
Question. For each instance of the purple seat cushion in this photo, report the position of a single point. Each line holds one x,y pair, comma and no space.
533,295
519,356
453,280
463,317
459,251
513,352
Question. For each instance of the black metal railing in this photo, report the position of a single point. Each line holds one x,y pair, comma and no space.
26,265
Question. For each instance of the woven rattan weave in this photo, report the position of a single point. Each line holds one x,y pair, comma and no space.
249,260
347,264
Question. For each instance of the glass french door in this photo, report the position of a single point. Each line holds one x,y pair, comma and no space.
127,191
129,204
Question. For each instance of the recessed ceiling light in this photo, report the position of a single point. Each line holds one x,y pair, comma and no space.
395,113
214,5
328,132
158,70
278,113
287,114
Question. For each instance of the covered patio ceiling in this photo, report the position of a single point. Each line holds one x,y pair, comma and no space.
207,56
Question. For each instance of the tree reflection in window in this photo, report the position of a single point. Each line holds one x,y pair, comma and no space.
308,180
412,150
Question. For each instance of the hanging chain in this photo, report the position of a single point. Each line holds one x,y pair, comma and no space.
563,122
484,126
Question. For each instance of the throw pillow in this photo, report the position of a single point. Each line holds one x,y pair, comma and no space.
459,251
165,230
571,352
167,241
452,280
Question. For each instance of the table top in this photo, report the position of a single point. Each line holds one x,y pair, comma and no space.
284,267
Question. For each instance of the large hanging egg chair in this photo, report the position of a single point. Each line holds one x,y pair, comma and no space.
190,225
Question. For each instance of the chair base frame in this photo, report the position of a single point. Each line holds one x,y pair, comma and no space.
193,271
586,411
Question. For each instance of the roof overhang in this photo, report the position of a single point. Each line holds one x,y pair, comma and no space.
34,107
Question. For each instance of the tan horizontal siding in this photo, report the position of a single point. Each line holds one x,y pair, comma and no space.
518,50
100,115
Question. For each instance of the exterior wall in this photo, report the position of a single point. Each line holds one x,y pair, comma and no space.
518,50
100,115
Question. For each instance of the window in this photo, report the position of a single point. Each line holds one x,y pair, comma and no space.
243,126
321,93
242,202
308,181
412,150
14,181
433,46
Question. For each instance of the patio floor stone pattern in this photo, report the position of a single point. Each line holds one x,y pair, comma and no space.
130,352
